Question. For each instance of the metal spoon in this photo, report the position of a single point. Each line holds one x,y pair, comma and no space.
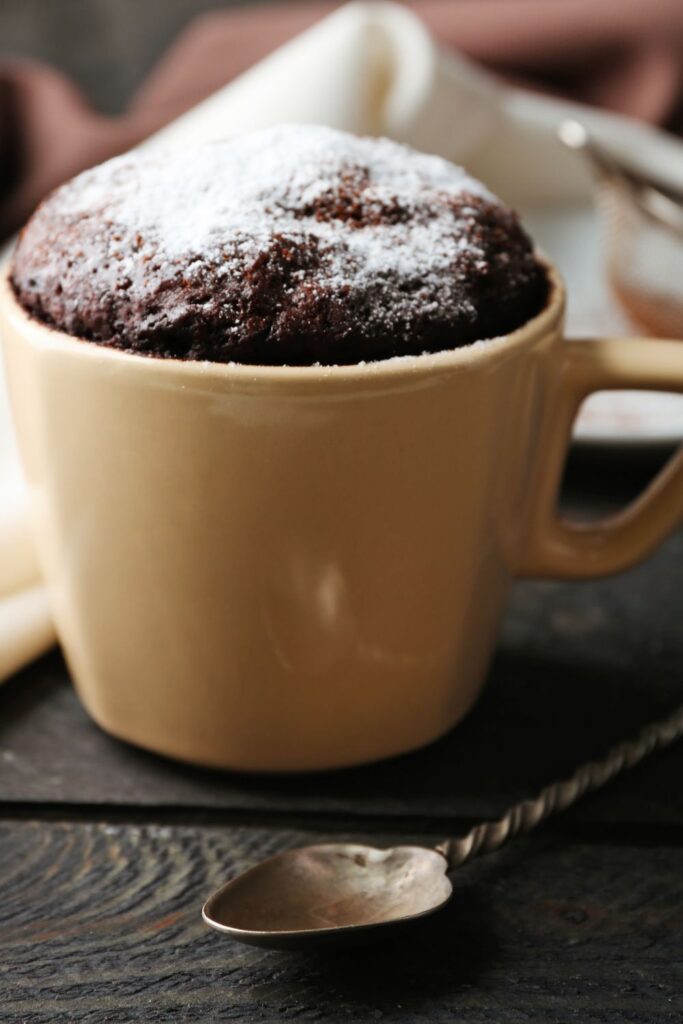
662,202
339,893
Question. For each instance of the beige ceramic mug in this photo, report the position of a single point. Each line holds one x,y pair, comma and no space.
286,569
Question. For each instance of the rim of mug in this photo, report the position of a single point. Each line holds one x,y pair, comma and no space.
395,368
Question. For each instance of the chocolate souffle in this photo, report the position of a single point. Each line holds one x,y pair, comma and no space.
293,246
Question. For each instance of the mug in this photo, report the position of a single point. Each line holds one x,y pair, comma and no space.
281,569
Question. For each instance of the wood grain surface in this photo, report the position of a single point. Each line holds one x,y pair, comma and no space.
101,923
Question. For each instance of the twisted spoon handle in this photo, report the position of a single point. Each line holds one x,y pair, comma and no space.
527,814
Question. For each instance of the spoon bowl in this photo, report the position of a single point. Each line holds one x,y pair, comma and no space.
343,893
336,893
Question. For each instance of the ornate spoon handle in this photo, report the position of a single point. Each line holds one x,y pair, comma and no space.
527,814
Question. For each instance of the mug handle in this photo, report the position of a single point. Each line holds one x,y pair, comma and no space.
560,548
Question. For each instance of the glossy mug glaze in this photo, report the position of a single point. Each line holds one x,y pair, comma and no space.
288,569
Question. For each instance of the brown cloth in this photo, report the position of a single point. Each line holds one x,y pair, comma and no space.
626,55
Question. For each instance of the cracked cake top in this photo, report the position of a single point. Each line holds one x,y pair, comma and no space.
295,245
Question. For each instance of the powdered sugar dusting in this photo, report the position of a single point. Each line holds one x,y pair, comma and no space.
222,204
298,243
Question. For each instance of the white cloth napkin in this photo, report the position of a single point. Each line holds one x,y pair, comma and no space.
369,68
25,625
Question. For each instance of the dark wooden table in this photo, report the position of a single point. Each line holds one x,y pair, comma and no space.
106,853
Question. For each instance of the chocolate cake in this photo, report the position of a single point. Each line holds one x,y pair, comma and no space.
295,245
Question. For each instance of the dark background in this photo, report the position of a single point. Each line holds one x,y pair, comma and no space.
106,46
